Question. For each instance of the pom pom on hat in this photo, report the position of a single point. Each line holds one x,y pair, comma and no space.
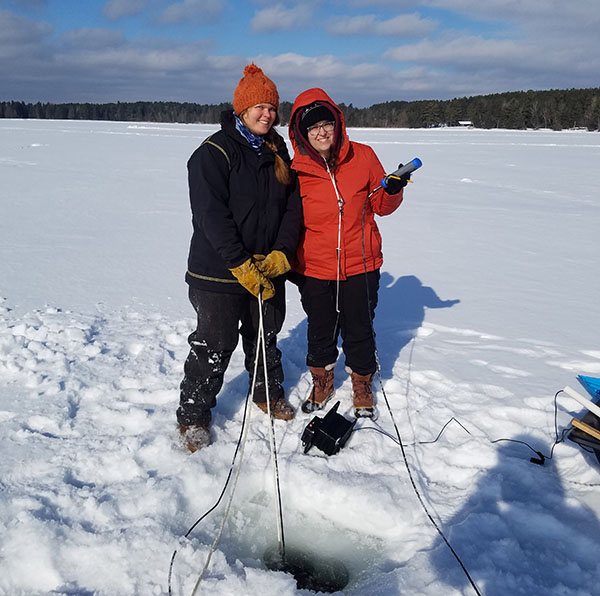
254,88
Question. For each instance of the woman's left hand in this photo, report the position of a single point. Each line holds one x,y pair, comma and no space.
395,185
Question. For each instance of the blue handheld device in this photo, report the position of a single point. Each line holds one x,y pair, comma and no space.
408,168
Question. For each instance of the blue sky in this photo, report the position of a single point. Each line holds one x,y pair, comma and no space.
360,51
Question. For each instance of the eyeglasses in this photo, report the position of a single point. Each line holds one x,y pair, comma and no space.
327,127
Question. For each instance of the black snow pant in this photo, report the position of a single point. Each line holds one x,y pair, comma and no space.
222,318
357,304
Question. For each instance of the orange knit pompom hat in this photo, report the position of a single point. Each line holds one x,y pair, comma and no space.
254,88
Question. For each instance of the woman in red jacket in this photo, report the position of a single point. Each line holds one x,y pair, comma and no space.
339,254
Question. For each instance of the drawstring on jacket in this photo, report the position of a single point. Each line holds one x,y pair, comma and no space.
338,249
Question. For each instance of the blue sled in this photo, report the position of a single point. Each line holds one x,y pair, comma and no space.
591,384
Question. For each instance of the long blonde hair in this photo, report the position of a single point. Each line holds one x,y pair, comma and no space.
282,171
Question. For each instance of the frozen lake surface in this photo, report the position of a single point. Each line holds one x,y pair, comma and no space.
488,307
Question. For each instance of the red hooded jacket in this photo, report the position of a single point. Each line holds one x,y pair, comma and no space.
357,173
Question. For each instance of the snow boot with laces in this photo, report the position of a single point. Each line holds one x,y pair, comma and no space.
362,395
322,388
194,436
280,408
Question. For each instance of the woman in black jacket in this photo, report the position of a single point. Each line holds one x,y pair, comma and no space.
246,215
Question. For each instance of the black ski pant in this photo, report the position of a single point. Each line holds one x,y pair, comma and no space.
221,319
357,301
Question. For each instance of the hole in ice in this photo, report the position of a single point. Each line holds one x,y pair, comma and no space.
320,554
311,571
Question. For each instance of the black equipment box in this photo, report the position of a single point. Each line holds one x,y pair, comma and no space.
329,434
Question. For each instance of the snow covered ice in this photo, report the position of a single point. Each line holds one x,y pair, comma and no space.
488,307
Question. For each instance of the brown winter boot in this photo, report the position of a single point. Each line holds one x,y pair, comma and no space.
280,408
194,437
322,388
362,395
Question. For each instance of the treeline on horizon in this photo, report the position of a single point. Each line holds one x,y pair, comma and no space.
553,109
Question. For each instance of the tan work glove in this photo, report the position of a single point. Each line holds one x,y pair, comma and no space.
252,279
274,264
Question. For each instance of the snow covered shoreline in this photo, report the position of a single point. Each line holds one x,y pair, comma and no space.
487,308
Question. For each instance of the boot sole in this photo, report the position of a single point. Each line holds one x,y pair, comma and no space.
365,413
311,406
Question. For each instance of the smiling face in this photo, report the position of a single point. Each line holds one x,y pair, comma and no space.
321,137
260,118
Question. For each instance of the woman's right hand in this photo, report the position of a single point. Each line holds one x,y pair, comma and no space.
253,280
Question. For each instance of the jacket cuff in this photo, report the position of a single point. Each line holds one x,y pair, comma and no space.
237,262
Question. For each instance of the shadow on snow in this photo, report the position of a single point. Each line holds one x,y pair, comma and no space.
521,533
401,309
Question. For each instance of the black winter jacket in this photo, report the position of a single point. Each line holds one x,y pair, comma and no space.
238,207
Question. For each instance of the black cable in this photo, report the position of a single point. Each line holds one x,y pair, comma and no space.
425,509
443,429
399,442
557,440
204,515
404,458
380,430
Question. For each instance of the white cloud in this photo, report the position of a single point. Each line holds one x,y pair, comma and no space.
101,65
349,80
92,38
145,71
408,25
203,11
279,18
539,13
142,60
117,9
472,65
16,29
343,79
296,65
465,51
399,4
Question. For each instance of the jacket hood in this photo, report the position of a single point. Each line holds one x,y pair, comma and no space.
299,142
